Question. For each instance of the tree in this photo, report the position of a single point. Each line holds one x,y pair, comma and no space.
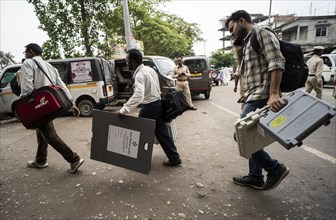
6,59
92,27
222,59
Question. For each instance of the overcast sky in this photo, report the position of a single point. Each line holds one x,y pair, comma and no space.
19,25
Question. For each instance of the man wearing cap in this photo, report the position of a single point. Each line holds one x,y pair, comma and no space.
315,66
181,73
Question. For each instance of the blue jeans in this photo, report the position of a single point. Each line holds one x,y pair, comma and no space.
260,159
154,111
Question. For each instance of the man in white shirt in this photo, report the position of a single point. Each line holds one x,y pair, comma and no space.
33,78
147,92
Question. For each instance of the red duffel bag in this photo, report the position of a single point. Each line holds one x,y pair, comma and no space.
41,106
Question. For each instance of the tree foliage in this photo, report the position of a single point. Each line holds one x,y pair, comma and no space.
93,27
6,59
222,59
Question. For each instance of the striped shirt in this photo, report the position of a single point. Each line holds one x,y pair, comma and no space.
258,67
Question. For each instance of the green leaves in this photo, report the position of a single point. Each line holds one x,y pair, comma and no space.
222,59
93,27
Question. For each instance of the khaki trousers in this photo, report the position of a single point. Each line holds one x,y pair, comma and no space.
311,84
184,87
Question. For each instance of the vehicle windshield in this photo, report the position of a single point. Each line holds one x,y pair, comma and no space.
334,57
166,66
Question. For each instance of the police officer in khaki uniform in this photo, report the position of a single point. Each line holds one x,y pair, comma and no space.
181,73
315,66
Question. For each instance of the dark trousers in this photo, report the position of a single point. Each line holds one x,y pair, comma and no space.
46,134
154,111
260,159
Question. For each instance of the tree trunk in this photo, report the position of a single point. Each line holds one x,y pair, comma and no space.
84,30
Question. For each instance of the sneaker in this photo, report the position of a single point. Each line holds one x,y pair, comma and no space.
75,165
249,181
34,164
275,178
192,108
172,163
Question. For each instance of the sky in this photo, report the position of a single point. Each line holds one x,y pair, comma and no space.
19,24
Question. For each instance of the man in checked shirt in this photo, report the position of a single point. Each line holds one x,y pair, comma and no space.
262,78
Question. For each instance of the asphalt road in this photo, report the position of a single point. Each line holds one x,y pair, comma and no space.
201,188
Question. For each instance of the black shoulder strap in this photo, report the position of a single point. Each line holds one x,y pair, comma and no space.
255,43
40,67
254,40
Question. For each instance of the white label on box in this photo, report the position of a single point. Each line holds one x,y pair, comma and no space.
123,141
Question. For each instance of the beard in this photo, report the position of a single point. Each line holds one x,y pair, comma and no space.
241,34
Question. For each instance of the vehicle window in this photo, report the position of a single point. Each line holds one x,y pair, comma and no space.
196,64
62,70
326,61
8,76
81,71
166,66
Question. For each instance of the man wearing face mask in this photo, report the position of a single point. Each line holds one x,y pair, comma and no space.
147,92
262,77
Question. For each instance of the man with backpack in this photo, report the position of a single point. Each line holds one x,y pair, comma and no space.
315,66
262,78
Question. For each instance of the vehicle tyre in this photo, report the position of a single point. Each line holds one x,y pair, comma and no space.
207,94
85,108
217,83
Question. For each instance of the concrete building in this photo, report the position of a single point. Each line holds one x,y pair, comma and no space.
310,31
307,31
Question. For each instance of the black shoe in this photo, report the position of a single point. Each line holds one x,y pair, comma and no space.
249,181
192,108
172,163
275,178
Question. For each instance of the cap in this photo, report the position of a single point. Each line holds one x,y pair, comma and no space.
318,48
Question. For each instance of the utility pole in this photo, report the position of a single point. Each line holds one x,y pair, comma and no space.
270,13
128,32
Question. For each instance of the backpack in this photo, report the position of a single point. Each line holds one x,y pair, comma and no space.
296,71
174,104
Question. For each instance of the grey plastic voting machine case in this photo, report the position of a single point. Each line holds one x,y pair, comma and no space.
302,115
250,137
125,142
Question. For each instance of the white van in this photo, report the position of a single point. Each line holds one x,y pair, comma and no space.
7,97
329,68
89,80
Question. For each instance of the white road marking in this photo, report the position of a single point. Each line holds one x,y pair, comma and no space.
319,154
303,147
227,110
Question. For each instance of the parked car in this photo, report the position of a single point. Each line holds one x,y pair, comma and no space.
200,80
329,68
87,78
162,65
7,97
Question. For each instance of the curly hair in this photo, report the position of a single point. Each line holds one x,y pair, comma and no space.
235,16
